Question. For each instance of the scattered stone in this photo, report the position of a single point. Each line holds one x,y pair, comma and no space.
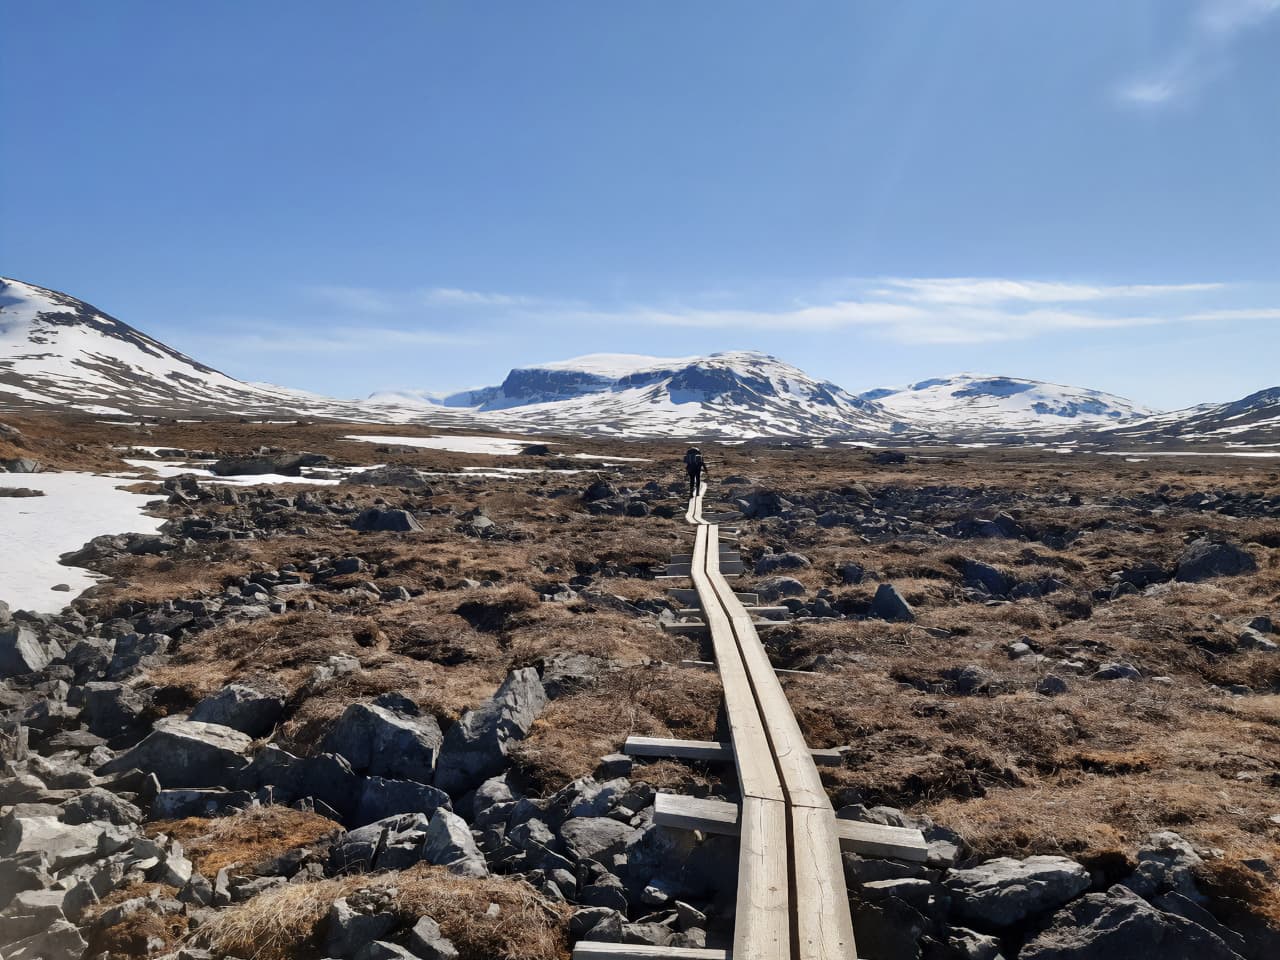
1003,892
775,588
596,838
449,844
475,747
241,708
21,651
187,753
1117,671
1051,685
393,475
350,927
426,941
773,562
1204,560
385,743
395,521
888,604
850,573
1119,923
600,489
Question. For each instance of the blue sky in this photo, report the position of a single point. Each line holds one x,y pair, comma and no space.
352,196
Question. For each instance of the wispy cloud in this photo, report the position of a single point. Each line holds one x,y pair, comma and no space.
240,334
978,290
1204,52
907,310
474,298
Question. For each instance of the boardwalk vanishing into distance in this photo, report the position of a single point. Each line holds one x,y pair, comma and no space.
791,899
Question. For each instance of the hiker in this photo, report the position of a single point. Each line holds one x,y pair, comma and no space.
696,467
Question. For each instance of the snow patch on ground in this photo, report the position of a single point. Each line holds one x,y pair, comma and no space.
35,531
491,446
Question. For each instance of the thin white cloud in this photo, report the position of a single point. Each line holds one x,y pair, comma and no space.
908,310
359,300
474,297
1204,53
1246,314
239,335
979,290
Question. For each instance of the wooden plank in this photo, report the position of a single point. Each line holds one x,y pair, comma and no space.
824,930
757,775
695,627
762,912
876,840
706,750
864,839
762,612
696,813
599,950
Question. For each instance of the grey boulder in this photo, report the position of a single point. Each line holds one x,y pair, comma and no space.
1204,560
1003,892
240,708
21,651
385,743
381,798
187,753
1119,923
427,943
775,588
375,520
888,604
350,928
449,844
475,748
596,838
773,562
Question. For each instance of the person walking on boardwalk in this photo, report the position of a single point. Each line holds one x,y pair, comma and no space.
696,468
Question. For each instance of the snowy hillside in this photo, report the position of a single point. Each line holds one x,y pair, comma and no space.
57,351
1253,420
975,404
734,395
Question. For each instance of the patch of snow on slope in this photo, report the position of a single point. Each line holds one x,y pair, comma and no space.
491,446
36,531
976,402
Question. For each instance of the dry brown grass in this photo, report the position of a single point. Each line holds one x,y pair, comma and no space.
141,933
1089,772
569,738
247,837
287,922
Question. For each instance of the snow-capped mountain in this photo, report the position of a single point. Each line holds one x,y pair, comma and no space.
60,353
1253,420
976,404
57,351
739,394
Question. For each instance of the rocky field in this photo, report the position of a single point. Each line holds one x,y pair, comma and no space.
382,716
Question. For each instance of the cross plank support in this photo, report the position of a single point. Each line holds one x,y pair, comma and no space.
864,839
708,751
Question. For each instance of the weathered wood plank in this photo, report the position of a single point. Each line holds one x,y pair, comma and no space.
824,929
706,750
865,839
757,775
696,813
599,950
762,913
875,840
693,626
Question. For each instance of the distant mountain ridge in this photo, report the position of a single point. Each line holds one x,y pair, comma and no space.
57,352
969,402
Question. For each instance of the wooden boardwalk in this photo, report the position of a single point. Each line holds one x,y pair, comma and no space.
791,898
